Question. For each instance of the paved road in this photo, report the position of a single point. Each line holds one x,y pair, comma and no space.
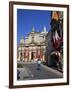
29,71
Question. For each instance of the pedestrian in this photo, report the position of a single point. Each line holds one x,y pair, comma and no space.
38,64
59,65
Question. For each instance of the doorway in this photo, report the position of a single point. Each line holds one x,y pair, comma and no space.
53,60
32,55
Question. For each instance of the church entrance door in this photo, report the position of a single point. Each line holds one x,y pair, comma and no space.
32,55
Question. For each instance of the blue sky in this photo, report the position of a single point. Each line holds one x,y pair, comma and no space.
27,19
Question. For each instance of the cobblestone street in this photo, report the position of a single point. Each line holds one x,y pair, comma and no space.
30,72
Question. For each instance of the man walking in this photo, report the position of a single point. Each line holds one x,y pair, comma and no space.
38,64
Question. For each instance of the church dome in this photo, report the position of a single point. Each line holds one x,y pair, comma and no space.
22,41
33,30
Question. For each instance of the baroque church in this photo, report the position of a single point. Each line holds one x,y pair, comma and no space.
33,46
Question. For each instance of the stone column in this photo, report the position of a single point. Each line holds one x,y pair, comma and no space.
30,55
19,56
36,53
23,55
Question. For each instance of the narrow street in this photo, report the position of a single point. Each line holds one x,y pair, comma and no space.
30,72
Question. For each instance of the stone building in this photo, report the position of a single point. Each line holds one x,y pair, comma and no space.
33,46
54,39
49,49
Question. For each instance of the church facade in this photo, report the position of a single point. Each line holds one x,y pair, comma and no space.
33,46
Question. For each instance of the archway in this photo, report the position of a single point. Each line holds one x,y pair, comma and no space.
32,55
